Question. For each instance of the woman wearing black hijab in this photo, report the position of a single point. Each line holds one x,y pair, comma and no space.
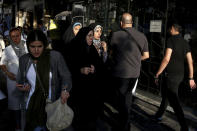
70,34
85,68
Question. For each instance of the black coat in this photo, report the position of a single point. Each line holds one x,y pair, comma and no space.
86,91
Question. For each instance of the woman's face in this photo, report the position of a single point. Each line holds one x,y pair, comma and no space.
89,37
97,33
76,29
36,48
15,36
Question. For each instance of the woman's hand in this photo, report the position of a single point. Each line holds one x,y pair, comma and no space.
23,87
104,45
11,76
85,70
64,96
92,69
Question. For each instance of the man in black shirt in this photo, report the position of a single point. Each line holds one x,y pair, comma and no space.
129,47
176,51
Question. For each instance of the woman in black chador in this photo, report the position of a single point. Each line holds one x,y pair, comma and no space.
85,67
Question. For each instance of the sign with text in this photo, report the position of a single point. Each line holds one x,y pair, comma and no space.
1,2
155,25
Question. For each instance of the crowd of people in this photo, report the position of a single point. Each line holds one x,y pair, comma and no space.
89,72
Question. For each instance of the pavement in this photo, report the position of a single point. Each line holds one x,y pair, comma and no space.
144,106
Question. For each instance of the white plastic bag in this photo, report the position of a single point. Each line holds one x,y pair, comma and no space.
59,116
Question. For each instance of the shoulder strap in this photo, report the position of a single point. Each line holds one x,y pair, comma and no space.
42,87
132,38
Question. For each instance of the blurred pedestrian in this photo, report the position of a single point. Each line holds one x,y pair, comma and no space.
2,45
176,51
23,35
71,32
6,31
42,27
42,75
4,113
9,65
129,47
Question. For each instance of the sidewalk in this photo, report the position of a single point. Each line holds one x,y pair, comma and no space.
151,102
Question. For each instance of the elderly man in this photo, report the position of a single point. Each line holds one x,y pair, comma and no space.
9,64
129,47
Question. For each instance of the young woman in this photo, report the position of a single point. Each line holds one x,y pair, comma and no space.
43,74
100,45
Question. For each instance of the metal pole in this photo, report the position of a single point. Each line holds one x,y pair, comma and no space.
164,40
166,21
129,3
106,16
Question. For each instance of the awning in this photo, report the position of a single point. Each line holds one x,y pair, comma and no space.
62,15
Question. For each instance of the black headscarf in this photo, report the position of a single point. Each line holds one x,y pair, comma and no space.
69,34
77,48
80,38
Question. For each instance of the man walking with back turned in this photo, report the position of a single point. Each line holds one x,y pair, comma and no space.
129,47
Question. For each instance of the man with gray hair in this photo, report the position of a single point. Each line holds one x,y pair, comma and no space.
129,47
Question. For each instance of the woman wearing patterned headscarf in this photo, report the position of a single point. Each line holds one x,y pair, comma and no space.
100,45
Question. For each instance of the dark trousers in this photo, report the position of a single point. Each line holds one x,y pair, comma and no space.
15,119
5,117
169,92
123,99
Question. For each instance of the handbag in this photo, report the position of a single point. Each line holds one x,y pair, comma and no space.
59,116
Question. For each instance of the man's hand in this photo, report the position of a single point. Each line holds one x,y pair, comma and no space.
192,84
156,79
